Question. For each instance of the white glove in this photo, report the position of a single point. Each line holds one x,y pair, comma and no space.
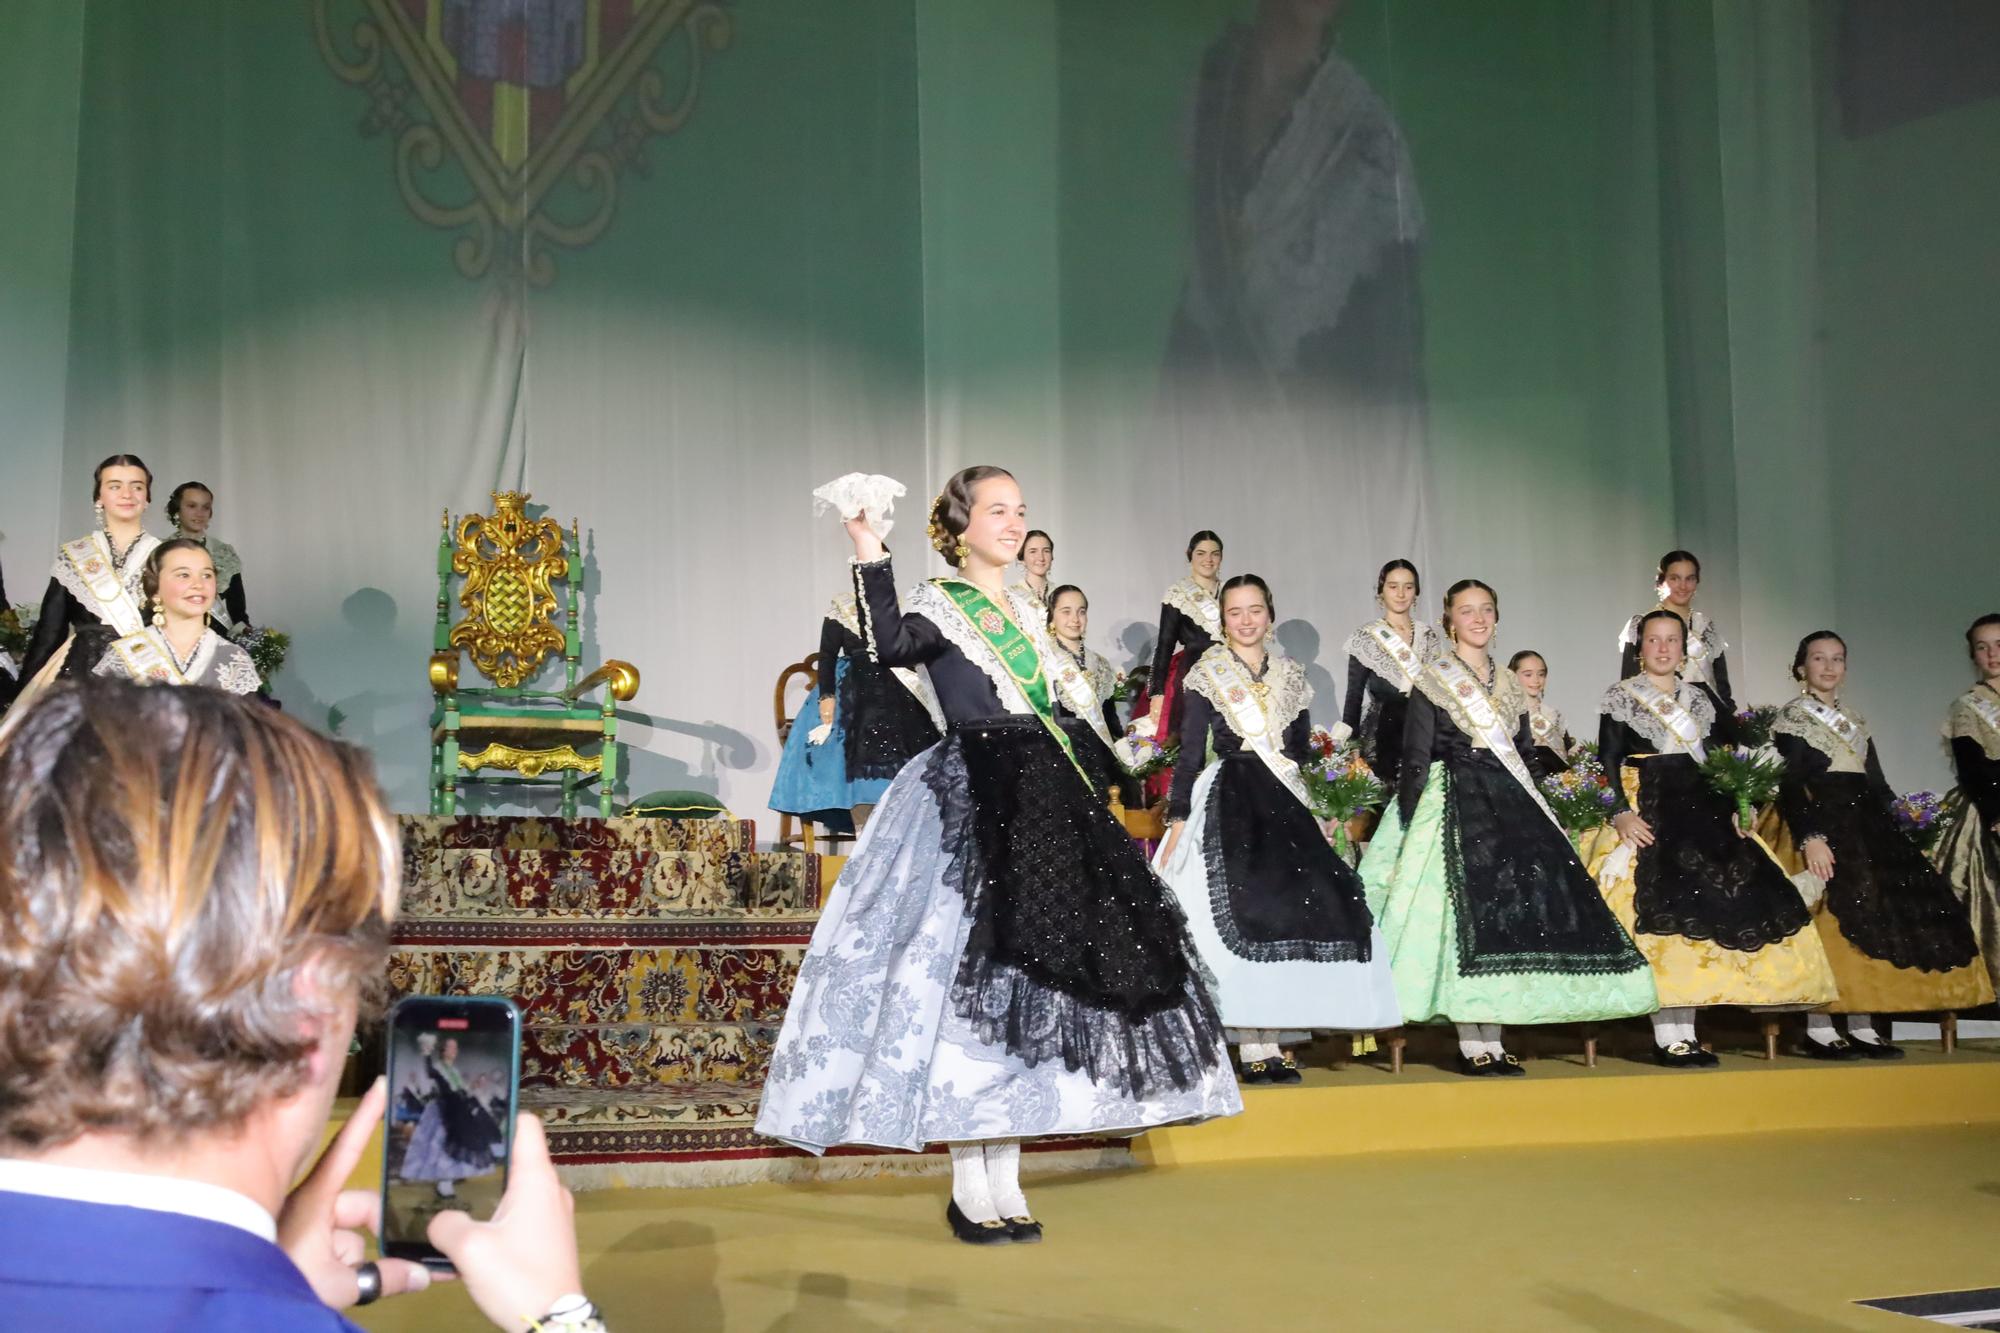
1341,733
818,735
874,496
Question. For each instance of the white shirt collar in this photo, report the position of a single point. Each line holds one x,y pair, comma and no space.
131,1189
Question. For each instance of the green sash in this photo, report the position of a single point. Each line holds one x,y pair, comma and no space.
1016,653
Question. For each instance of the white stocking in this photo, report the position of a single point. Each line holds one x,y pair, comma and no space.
970,1189
1471,1044
1003,1175
1861,1027
1672,1025
1820,1028
1489,1040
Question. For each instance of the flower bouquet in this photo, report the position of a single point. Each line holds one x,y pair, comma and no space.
1581,794
1129,684
1141,754
267,649
1340,784
1920,814
1749,777
17,626
1753,724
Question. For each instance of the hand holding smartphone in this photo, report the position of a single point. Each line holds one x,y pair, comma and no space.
454,1076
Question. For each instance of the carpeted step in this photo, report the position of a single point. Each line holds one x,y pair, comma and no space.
622,883
654,1059
624,986
521,833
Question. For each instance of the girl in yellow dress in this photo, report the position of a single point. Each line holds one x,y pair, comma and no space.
1706,903
1899,942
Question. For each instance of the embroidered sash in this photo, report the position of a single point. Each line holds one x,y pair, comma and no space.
1984,705
1671,713
1016,654
1488,725
1404,655
1189,598
91,560
1845,729
1079,691
1547,729
1233,690
145,657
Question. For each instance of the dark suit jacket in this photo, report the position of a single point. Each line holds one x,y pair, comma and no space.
99,1268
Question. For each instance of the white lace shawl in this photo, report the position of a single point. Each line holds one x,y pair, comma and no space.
1795,719
1365,648
1509,700
1621,705
933,604
1975,715
217,663
1289,692
130,577
1192,601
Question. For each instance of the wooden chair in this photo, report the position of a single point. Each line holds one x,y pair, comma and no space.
795,829
510,565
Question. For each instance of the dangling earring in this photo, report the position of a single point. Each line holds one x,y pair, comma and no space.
100,514
961,550
159,613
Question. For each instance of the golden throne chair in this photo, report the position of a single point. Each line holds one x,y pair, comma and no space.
508,734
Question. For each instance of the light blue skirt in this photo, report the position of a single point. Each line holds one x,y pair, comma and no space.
812,779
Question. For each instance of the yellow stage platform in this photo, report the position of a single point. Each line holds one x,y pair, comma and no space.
1365,1109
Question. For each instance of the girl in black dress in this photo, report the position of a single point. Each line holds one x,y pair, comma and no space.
1546,743
93,595
1384,657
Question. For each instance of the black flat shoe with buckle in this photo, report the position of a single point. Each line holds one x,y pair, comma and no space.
1682,1055
1875,1050
1838,1049
1285,1069
1481,1065
1257,1071
1510,1065
976,1233
1024,1230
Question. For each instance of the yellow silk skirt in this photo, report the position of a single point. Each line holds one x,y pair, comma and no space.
1872,985
1793,973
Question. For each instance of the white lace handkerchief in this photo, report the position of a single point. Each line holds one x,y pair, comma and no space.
861,493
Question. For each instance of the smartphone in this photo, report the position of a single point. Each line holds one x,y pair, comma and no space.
454,1084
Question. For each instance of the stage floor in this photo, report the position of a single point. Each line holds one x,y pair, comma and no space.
1775,1232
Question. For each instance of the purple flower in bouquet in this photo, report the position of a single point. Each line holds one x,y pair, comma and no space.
1920,814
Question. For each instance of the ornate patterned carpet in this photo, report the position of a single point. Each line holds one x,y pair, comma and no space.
652,960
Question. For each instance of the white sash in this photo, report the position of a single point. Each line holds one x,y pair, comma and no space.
1404,655
1192,601
1987,706
1487,725
1546,728
146,657
1249,716
1669,711
1074,685
1849,732
91,559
